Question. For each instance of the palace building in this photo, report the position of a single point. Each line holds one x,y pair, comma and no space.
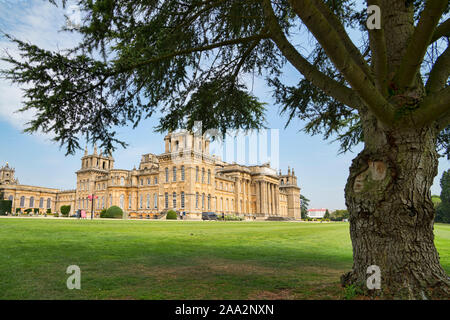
185,178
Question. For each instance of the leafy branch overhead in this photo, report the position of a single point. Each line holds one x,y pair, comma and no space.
187,60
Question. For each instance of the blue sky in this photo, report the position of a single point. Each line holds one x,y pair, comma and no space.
321,172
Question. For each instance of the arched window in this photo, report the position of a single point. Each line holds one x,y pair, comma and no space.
174,174
226,207
141,200
122,181
203,201
156,181
196,174
22,201
182,199
41,203
203,175
167,174
155,200
11,198
122,200
174,200
209,176
182,173
209,202
149,181
31,202
49,203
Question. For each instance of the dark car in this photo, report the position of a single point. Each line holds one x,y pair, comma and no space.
209,216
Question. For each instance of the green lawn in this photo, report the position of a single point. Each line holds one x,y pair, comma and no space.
178,260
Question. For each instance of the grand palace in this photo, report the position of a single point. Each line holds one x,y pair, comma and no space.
186,178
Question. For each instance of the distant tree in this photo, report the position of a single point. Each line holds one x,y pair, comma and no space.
339,215
327,215
436,200
304,203
443,208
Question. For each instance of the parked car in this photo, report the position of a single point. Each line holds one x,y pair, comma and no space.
209,216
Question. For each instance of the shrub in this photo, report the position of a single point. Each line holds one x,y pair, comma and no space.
5,206
18,211
232,218
49,211
55,214
27,211
36,210
65,210
113,212
103,213
171,215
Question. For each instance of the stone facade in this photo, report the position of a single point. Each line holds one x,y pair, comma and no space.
185,178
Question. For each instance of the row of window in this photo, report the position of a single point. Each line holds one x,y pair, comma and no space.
182,175
31,202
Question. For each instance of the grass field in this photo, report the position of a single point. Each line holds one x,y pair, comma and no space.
178,260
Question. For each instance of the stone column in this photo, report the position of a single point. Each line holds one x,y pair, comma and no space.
258,197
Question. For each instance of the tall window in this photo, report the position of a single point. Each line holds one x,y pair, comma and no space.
167,174
174,200
11,198
203,201
203,175
141,200
103,202
148,181
209,202
182,199
155,200
182,173
209,176
122,181
110,201
196,174
148,201
129,202
156,181
31,202
142,182
122,200
41,203
166,200
49,203
174,174
22,201
196,200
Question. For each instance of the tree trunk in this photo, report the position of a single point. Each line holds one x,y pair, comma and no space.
392,215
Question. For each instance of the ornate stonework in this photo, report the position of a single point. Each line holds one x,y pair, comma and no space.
185,178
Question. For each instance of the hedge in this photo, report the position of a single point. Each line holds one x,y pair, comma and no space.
171,215
113,212
5,207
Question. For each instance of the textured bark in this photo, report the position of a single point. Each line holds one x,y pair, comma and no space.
391,213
